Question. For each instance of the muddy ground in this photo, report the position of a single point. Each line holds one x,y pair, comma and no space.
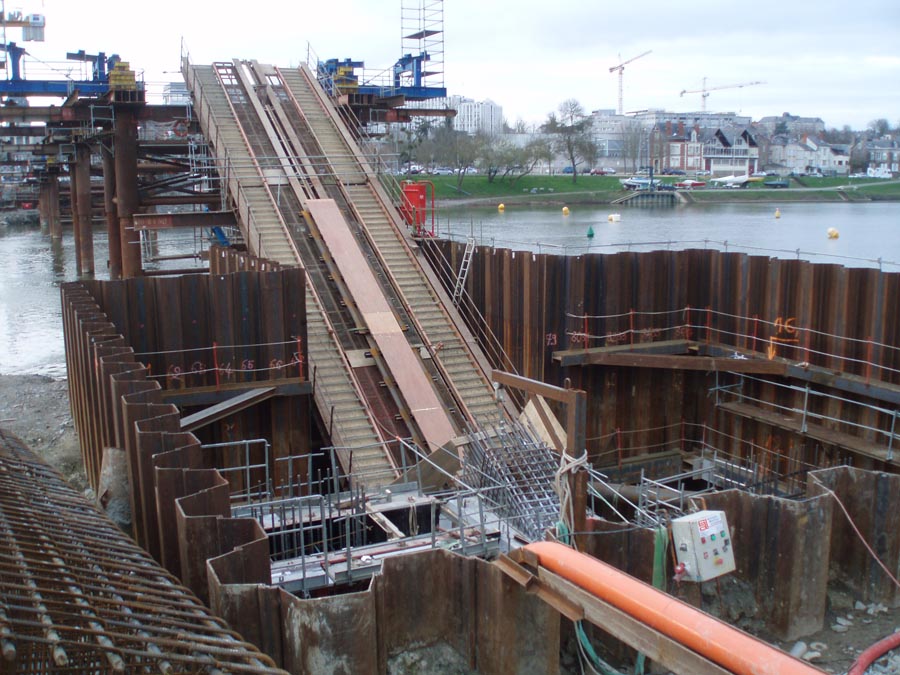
36,409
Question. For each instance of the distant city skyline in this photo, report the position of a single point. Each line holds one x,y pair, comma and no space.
829,61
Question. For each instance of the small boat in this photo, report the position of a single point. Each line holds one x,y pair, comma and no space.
638,183
690,184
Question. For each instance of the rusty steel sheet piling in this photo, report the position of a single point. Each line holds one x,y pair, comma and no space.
833,328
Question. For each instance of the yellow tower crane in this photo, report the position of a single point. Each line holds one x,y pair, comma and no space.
704,90
621,69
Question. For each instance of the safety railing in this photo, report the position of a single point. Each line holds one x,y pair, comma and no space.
783,337
475,321
249,478
809,411
217,365
725,246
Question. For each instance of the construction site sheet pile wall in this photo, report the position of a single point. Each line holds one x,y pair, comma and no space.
222,110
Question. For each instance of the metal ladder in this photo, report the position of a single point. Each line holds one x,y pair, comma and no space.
463,271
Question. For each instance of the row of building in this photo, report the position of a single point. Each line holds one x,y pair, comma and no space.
721,143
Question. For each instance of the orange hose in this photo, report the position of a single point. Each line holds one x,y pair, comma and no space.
717,641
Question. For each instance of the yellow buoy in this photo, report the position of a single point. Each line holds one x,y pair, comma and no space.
833,233
565,210
501,207
777,213
614,217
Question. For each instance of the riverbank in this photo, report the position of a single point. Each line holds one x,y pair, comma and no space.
36,409
476,190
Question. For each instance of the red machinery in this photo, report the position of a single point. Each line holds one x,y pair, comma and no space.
414,205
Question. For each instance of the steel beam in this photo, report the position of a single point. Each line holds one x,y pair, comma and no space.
168,221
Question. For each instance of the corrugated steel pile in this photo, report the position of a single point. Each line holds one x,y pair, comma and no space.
78,596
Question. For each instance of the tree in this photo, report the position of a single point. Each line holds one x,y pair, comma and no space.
571,133
881,127
632,140
536,150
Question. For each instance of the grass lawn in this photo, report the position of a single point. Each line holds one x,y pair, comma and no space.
604,189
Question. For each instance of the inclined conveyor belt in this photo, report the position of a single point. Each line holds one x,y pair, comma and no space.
379,218
288,159
351,424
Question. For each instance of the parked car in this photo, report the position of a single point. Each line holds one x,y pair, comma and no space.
672,172
704,172
857,175
776,183
442,171
568,169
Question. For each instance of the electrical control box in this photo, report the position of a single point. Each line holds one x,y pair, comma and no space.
703,545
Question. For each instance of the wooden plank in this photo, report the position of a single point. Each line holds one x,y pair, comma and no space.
658,647
226,408
413,382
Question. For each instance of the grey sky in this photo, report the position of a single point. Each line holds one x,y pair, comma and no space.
836,60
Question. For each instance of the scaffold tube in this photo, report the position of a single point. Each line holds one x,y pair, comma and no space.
722,644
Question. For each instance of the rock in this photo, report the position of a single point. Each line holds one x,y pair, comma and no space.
843,621
799,649
114,489
859,606
811,656
818,646
838,628
839,600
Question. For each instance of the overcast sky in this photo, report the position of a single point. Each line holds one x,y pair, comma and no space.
832,59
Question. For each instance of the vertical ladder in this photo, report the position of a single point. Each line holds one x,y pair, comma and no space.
463,271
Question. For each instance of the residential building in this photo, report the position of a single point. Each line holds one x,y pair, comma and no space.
791,125
702,120
473,117
176,93
884,156
730,150
806,154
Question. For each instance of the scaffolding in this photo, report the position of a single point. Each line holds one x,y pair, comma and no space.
422,35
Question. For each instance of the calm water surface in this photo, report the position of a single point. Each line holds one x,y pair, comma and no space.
33,267
867,231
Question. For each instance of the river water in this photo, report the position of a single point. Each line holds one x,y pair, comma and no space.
33,266
867,231
32,270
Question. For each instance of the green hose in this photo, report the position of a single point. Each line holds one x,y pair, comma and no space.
598,664
660,546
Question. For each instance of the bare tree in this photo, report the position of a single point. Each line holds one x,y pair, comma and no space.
571,132
632,139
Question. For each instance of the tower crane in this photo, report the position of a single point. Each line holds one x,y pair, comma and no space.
704,90
621,69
